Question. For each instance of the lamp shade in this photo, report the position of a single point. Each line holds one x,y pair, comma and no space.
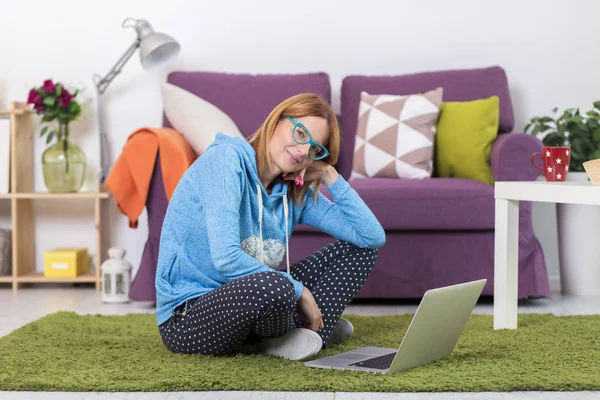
157,48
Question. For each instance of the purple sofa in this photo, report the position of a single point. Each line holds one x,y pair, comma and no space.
440,231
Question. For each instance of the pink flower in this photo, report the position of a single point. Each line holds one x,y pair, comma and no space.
32,95
34,98
49,86
65,98
39,107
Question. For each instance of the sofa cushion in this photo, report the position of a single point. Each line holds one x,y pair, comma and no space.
465,135
428,204
459,85
196,119
395,135
248,99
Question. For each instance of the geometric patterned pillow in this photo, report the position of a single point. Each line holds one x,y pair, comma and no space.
395,135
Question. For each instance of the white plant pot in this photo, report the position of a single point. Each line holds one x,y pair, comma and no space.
578,250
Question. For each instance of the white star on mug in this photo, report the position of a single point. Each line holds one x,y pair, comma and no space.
558,176
558,160
549,169
548,154
567,152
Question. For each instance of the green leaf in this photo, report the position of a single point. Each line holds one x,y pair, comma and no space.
569,112
555,109
553,139
597,104
49,137
576,155
48,117
592,124
546,119
596,154
582,149
49,101
579,128
545,128
44,130
58,90
575,137
593,114
74,108
596,135
581,144
588,146
526,129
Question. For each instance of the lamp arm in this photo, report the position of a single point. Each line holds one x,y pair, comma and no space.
104,163
102,83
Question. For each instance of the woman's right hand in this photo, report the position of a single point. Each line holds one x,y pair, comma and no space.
310,311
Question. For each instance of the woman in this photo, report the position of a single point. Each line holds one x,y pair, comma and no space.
226,231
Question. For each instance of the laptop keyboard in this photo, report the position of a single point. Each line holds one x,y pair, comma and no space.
381,362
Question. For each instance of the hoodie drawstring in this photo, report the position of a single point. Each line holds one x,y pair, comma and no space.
260,209
287,250
260,215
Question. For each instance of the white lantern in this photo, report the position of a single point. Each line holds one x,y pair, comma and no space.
116,277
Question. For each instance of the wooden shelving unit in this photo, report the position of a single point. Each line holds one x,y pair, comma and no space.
22,197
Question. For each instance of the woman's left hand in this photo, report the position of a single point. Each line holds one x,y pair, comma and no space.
317,170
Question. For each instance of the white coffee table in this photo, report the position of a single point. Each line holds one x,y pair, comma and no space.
506,245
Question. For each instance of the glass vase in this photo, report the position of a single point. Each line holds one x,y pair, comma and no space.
63,164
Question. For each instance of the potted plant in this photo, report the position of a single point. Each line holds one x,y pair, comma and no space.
578,225
63,162
580,132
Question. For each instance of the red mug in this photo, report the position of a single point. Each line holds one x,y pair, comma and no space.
556,163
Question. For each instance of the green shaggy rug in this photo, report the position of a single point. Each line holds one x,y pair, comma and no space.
69,352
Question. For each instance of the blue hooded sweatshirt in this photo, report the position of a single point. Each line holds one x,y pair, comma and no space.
220,212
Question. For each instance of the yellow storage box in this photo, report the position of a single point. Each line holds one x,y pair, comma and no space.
66,263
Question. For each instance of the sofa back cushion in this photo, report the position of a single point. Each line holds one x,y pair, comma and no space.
248,99
458,85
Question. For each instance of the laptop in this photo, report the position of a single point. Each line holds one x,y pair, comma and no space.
431,335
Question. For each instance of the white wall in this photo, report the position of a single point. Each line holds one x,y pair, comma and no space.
547,47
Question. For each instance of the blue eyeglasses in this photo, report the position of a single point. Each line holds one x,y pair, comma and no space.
301,136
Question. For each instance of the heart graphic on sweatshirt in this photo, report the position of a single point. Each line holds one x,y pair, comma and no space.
274,250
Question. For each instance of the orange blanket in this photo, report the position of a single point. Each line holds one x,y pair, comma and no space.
130,177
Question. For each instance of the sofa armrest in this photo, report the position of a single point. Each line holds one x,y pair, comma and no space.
511,157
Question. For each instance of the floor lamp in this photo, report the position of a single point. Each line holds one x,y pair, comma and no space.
155,49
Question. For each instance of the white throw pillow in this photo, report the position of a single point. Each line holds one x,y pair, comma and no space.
196,119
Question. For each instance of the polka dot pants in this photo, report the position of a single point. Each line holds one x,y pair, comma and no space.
264,305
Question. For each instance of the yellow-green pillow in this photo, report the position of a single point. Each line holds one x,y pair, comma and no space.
463,142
